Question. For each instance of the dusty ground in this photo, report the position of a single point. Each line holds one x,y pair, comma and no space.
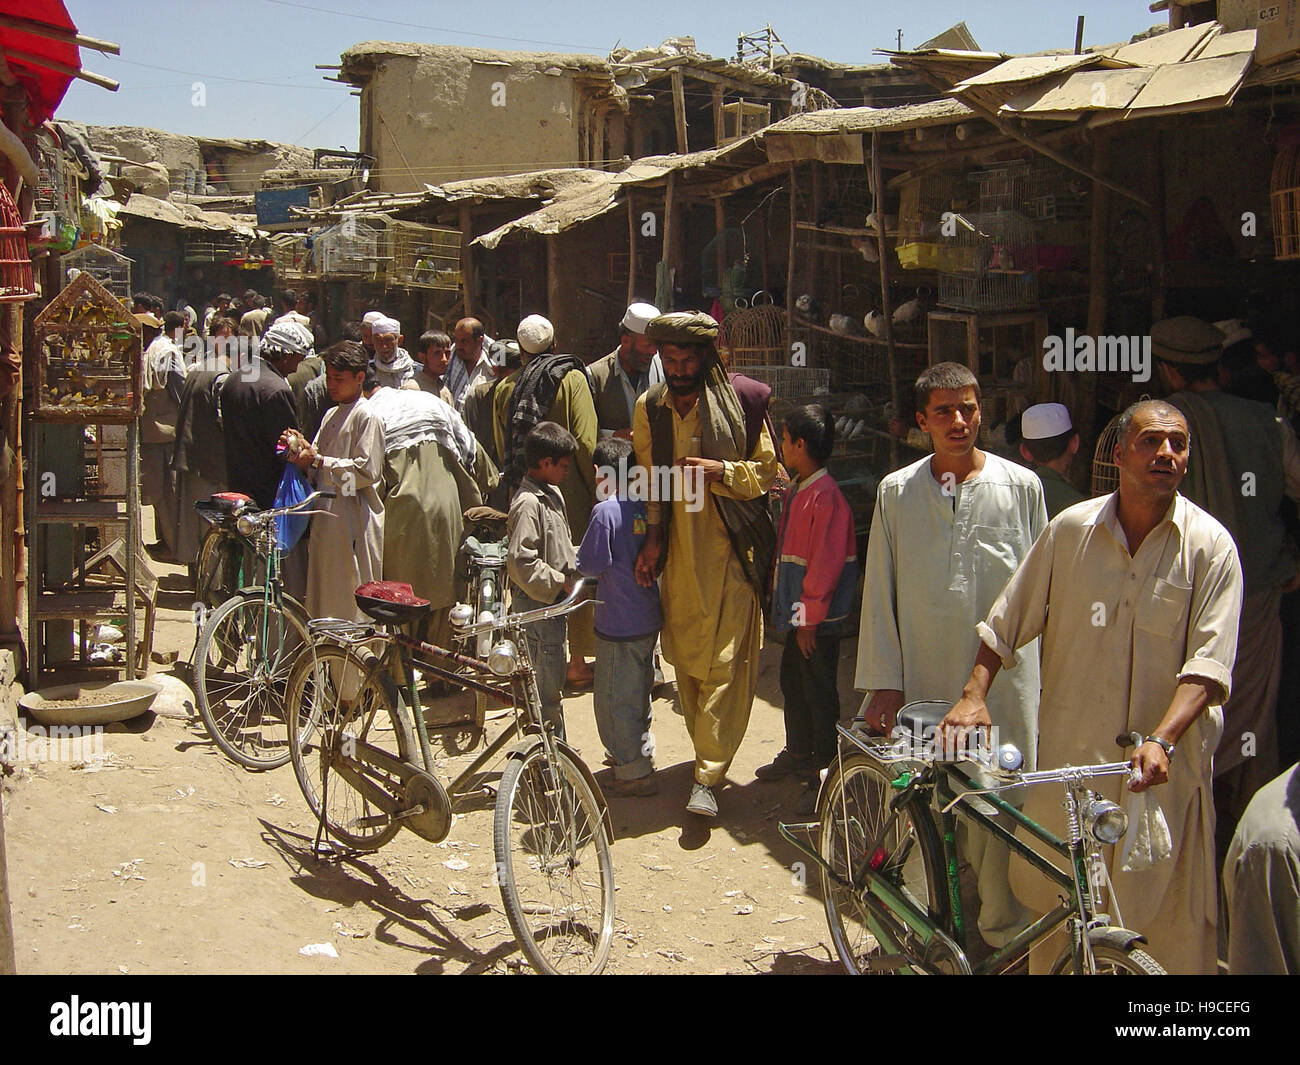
163,856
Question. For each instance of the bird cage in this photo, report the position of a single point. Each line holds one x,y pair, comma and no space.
756,336
292,257
1284,195
1105,474
106,266
16,280
1003,275
791,383
89,363
424,256
927,208
57,190
358,247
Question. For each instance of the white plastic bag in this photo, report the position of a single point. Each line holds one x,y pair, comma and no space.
1147,840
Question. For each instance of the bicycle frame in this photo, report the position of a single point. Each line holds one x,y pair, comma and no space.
893,919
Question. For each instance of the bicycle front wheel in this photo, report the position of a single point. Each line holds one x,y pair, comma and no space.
1113,961
853,811
241,665
553,864
336,703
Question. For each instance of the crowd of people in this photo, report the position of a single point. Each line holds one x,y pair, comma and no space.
1160,609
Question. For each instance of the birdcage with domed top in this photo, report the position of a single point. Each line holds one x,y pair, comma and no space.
1105,474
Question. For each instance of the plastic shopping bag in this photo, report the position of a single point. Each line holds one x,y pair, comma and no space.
294,488
1147,841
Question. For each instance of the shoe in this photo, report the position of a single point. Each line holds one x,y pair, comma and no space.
702,801
641,787
783,765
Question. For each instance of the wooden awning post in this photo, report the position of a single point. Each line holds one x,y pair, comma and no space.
468,282
789,269
679,111
886,304
631,246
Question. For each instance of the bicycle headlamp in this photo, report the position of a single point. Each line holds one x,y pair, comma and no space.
1106,821
503,659
246,525
461,615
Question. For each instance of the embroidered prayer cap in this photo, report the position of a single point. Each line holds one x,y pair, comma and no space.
288,338
371,317
683,327
1044,421
638,316
1188,340
384,324
536,334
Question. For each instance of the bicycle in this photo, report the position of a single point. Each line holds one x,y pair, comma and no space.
224,556
366,773
890,873
484,553
247,646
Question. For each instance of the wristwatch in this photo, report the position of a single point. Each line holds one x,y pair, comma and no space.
1165,745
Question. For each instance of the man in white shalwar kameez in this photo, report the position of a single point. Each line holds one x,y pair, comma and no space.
947,533
347,457
1136,596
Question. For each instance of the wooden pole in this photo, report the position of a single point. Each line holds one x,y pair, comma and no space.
719,126
679,111
468,281
664,300
886,303
1085,390
61,68
631,247
789,268
57,33
555,289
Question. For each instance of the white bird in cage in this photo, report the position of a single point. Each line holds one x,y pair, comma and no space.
867,249
875,323
907,313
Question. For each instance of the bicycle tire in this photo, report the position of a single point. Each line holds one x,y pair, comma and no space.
852,812
1118,961
322,685
542,812
239,684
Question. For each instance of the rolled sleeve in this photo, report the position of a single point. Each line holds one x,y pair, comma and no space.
1213,620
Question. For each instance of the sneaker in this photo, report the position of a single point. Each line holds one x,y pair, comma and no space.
702,801
783,765
641,787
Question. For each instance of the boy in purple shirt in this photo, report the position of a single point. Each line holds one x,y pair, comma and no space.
627,623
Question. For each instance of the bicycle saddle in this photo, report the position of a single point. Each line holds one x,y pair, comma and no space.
924,716
390,601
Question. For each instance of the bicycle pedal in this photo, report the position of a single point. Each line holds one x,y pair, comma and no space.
374,821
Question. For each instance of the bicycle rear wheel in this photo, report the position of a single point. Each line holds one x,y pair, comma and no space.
853,811
553,864
334,703
245,652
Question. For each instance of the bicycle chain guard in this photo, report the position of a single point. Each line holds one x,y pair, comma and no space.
397,788
434,822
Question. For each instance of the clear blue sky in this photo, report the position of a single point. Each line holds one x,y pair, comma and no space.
256,58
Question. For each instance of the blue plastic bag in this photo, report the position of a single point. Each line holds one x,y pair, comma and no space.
294,488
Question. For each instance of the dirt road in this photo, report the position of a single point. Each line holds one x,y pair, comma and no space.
162,856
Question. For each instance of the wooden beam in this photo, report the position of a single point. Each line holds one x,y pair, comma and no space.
743,180
61,68
631,246
58,33
789,268
719,125
679,112
748,88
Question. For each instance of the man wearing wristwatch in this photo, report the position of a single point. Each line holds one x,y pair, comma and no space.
1137,597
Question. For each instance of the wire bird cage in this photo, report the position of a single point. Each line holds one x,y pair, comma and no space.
358,247
57,190
106,266
1284,195
1105,474
292,257
1003,275
756,336
424,256
790,383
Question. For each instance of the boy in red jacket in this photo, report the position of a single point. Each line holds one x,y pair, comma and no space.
815,582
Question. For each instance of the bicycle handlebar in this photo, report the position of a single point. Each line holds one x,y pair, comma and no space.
565,606
275,512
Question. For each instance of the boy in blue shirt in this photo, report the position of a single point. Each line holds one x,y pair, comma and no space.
627,623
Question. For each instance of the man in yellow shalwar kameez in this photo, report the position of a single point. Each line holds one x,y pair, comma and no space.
717,546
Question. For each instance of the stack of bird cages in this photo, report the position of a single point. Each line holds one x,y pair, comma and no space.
110,269
57,190
358,247
424,256
292,257
1003,274
927,208
212,248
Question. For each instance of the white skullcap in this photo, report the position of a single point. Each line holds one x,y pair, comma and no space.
371,317
1044,421
289,338
535,334
1233,330
638,316
384,324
